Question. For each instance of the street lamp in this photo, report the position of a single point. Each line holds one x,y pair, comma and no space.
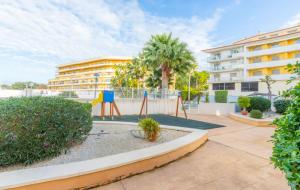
96,75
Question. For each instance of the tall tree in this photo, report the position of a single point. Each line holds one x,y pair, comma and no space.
269,81
130,74
168,54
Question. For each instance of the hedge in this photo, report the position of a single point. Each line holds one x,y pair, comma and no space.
281,105
256,114
35,128
259,103
221,96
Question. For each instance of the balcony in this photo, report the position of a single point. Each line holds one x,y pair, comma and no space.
225,58
271,63
233,67
87,66
274,77
274,50
225,79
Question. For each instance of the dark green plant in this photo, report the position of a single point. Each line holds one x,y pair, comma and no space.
35,128
68,94
244,102
221,96
207,97
281,105
150,127
256,114
259,103
286,139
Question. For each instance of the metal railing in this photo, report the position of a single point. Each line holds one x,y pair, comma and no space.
120,93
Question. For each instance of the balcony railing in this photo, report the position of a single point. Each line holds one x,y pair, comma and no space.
274,77
267,64
224,58
225,79
273,50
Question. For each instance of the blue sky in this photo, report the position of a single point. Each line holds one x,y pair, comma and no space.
35,36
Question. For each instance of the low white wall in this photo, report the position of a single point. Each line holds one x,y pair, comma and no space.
214,109
133,106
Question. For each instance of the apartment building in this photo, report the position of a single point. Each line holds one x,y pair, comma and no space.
86,75
238,67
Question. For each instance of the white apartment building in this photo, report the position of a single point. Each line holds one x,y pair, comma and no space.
238,67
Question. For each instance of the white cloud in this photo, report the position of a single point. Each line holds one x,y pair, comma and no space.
35,36
293,21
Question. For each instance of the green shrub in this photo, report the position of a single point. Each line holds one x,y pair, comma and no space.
281,105
244,102
35,128
206,97
150,127
221,96
68,94
256,114
259,103
286,139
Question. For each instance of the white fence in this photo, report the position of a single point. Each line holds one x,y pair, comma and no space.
27,92
213,109
133,106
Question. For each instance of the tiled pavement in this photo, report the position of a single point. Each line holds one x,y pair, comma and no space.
234,158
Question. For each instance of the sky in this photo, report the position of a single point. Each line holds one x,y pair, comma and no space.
37,35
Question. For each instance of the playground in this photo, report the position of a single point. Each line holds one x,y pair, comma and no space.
116,149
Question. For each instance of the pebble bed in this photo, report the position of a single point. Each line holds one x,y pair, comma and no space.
104,140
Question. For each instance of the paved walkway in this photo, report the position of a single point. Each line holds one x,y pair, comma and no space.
234,158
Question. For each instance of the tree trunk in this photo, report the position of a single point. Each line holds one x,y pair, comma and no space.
165,75
164,80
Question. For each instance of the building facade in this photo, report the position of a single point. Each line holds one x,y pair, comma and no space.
81,76
238,67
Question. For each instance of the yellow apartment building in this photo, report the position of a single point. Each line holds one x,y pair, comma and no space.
238,67
81,76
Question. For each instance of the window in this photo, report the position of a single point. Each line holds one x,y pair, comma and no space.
233,75
249,86
256,59
257,73
275,57
275,72
298,41
297,55
224,86
229,86
257,48
233,51
218,86
274,45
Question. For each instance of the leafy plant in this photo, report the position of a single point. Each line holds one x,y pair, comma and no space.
244,102
169,55
35,128
150,127
286,139
281,105
221,96
207,97
259,103
256,114
269,82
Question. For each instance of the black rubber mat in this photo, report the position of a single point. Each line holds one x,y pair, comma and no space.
165,120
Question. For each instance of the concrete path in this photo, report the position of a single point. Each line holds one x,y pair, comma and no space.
234,158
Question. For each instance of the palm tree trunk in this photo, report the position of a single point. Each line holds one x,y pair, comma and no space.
164,79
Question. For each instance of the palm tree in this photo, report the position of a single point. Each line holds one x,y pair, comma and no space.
168,54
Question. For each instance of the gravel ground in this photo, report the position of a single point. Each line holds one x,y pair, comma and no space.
104,139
